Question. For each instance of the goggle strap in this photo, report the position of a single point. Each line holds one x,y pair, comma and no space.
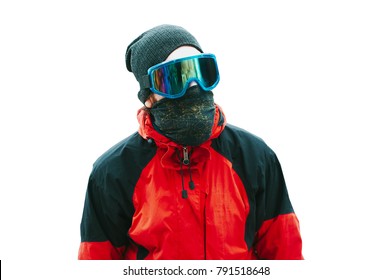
145,82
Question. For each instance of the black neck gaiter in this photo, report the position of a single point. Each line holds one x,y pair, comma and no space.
187,120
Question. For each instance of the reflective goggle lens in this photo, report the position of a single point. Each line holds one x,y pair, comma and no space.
171,79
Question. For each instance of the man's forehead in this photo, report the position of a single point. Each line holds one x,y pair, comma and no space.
182,51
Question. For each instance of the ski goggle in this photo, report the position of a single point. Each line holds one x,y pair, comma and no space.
172,78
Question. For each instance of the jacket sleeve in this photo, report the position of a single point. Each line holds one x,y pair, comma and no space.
278,236
105,221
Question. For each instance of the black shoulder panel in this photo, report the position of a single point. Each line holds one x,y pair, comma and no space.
108,208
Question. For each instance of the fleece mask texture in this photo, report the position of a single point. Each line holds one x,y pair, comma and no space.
188,120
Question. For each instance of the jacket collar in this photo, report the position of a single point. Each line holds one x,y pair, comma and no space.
171,152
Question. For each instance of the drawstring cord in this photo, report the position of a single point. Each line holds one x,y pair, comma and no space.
191,183
184,192
185,161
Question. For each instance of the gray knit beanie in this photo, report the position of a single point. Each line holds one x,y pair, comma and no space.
153,47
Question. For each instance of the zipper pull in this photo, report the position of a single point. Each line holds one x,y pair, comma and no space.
186,160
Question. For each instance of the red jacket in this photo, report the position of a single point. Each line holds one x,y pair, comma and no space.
239,207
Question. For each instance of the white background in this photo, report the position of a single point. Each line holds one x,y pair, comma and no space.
312,78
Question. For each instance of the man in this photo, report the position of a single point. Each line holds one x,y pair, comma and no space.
187,185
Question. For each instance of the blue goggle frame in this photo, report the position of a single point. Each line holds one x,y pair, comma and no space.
172,78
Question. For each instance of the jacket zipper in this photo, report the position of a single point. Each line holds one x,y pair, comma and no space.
186,160
205,229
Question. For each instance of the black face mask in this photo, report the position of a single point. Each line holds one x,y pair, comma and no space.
187,120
